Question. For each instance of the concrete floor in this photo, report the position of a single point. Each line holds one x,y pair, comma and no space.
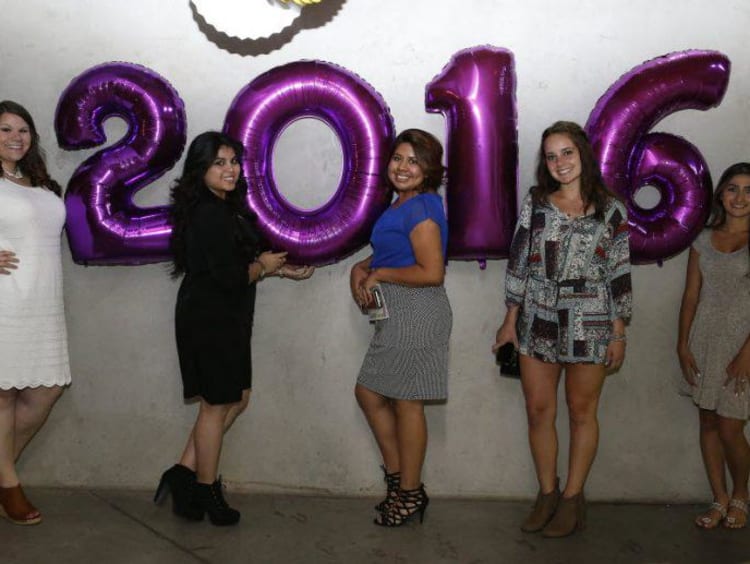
112,527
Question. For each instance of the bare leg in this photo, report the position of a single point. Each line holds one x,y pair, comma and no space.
188,455
714,463
737,452
411,429
33,406
583,387
8,476
207,436
381,417
539,381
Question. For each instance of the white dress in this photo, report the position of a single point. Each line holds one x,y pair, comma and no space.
33,338
720,327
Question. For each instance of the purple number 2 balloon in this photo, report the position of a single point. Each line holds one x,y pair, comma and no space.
104,225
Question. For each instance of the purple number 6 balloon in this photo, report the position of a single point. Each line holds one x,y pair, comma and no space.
104,225
630,158
364,126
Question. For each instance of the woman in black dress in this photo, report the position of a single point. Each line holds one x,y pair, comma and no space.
216,247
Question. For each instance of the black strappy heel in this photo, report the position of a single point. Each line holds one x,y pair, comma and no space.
392,484
408,505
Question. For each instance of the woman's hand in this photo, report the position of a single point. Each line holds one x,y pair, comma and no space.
506,334
357,279
738,371
8,262
365,291
615,355
271,262
296,272
688,366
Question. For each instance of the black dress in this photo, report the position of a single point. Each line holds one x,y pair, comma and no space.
215,303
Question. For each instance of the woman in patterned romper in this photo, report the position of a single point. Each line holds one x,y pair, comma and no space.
568,298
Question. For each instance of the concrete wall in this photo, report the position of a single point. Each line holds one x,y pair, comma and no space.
123,419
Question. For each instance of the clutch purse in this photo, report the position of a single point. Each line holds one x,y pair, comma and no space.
507,358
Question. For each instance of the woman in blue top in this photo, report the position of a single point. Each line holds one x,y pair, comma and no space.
407,362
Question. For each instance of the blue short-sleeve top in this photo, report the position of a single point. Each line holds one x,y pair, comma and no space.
390,236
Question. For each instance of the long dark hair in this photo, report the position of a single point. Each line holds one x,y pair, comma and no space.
191,187
32,164
429,154
593,190
718,215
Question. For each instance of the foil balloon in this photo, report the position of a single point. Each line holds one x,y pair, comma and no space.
104,225
361,120
631,158
476,93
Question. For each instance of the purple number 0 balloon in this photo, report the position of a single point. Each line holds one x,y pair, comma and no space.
364,126
104,225
476,92
630,158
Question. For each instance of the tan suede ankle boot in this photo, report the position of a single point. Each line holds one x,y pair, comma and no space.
544,509
569,517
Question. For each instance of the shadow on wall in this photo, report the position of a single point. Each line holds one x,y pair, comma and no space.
312,16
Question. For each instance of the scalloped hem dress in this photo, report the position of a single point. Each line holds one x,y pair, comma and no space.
33,336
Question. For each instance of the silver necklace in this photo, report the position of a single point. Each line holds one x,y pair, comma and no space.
17,174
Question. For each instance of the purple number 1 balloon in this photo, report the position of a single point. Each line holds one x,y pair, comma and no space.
104,225
476,92
630,158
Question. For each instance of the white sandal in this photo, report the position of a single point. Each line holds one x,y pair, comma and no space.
731,521
705,521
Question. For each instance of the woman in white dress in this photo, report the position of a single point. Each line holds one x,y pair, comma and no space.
34,364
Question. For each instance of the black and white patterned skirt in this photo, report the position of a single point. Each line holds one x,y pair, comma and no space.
408,354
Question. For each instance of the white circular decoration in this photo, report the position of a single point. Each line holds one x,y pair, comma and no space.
247,19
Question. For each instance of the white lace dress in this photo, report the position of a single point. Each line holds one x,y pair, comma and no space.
33,337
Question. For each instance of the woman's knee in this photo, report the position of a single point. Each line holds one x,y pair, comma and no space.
581,410
39,399
369,400
709,421
244,402
409,407
541,411
731,431
8,398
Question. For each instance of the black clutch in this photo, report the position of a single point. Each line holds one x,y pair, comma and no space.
507,358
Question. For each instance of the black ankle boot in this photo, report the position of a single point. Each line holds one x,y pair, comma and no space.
210,499
179,480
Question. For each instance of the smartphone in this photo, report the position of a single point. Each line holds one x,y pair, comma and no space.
377,297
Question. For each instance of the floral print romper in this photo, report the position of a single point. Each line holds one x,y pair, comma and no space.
571,279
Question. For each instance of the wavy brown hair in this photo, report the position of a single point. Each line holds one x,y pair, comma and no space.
32,164
429,154
593,190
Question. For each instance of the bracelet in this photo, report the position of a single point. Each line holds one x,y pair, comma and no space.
279,273
618,338
262,272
